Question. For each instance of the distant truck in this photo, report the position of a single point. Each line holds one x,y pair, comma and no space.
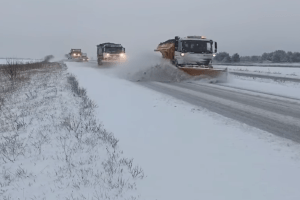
75,54
84,57
110,52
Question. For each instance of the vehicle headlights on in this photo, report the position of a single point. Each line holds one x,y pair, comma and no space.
214,55
122,55
107,54
182,54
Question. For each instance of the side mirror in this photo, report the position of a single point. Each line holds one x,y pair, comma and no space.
124,50
216,47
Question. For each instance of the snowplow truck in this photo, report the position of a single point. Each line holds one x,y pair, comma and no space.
84,57
110,52
75,54
192,54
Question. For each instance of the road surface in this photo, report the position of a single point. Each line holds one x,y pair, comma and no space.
277,115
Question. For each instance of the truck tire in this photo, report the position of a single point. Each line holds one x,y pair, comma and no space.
100,62
175,62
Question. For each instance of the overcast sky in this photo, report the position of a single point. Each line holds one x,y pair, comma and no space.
35,28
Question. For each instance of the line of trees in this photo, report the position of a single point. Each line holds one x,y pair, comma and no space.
278,56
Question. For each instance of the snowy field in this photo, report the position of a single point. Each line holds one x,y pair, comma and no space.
269,86
264,64
286,89
188,152
282,64
23,60
286,71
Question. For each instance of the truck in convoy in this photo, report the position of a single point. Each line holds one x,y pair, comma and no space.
110,52
75,54
191,54
84,57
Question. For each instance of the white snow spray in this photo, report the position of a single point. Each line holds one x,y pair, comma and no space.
148,66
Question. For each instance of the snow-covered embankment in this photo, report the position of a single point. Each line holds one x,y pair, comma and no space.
52,145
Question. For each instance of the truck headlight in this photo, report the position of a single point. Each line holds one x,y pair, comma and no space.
122,55
182,54
107,54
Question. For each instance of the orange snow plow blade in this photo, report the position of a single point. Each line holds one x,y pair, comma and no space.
167,50
204,71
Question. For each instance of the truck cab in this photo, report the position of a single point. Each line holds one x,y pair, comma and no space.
194,50
84,57
75,53
110,52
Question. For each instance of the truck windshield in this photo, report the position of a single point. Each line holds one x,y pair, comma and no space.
196,46
113,49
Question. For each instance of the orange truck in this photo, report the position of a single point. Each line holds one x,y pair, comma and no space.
192,54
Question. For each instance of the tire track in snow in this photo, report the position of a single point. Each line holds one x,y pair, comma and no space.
279,117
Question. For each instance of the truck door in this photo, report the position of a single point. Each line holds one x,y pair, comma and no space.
100,51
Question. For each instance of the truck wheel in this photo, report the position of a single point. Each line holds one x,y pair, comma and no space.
176,63
99,62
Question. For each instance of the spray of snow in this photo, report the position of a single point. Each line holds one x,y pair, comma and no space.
149,66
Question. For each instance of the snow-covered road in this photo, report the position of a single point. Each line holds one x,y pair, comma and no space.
277,115
189,152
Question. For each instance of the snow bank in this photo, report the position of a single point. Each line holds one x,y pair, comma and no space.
4,60
291,72
277,87
53,147
265,64
287,89
188,152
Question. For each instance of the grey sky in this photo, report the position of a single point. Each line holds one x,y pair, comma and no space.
35,28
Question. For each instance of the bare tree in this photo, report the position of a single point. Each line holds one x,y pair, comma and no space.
48,58
11,70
